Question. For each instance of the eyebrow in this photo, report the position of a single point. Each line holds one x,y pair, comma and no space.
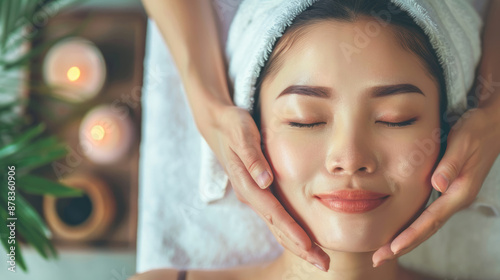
326,92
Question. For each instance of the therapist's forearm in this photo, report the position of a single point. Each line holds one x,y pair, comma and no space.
489,69
189,28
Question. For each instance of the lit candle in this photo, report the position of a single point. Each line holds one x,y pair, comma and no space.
105,135
75,69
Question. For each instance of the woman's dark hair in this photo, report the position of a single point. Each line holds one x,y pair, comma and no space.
410,36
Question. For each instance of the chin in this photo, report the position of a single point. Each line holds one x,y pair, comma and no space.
358,244
362,232
355,236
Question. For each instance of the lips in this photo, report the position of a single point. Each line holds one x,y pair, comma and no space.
352,201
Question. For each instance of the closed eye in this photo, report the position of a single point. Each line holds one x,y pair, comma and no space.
308,125
399,124
389,124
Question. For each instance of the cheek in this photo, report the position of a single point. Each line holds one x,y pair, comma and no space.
408,169
416,157
295,164
293,159
412,161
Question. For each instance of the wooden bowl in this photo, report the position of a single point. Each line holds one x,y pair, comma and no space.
83,218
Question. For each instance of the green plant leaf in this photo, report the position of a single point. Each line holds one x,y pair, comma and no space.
4,236
30,226
21,141
21,149
37,185
33,162
25,58
20,259
33,233
41,145
10,25
39,148
28,215
4,231
25,12
34,238
8,106
10,128
5,10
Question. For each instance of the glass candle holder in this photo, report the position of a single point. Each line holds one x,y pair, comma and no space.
105,135
75,69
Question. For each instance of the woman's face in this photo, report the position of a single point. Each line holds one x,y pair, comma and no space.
373,112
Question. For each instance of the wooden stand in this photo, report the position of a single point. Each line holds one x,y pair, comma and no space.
120,36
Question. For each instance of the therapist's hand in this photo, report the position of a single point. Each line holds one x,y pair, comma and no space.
236,141
472,149
191,33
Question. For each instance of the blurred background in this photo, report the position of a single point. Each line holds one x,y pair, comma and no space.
70,115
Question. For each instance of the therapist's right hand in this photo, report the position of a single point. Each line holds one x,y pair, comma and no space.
190,31
236,141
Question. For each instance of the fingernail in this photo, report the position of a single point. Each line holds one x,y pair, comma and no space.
320,267
441,182
263,179
379,263
399,251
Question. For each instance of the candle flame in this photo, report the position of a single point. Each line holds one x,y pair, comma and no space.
73,73
97,132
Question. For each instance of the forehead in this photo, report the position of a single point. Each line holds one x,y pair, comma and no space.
355,53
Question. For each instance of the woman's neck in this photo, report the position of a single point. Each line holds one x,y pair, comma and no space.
343,266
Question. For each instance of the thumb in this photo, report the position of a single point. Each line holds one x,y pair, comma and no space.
450,165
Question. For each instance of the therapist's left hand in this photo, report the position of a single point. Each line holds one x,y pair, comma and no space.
472,148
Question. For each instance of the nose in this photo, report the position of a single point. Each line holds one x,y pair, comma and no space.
351,152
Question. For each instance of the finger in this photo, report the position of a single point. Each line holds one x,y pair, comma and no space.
383,253
240,197
277,217
457,153
252,157
290,245
270,209
265,203
433,217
